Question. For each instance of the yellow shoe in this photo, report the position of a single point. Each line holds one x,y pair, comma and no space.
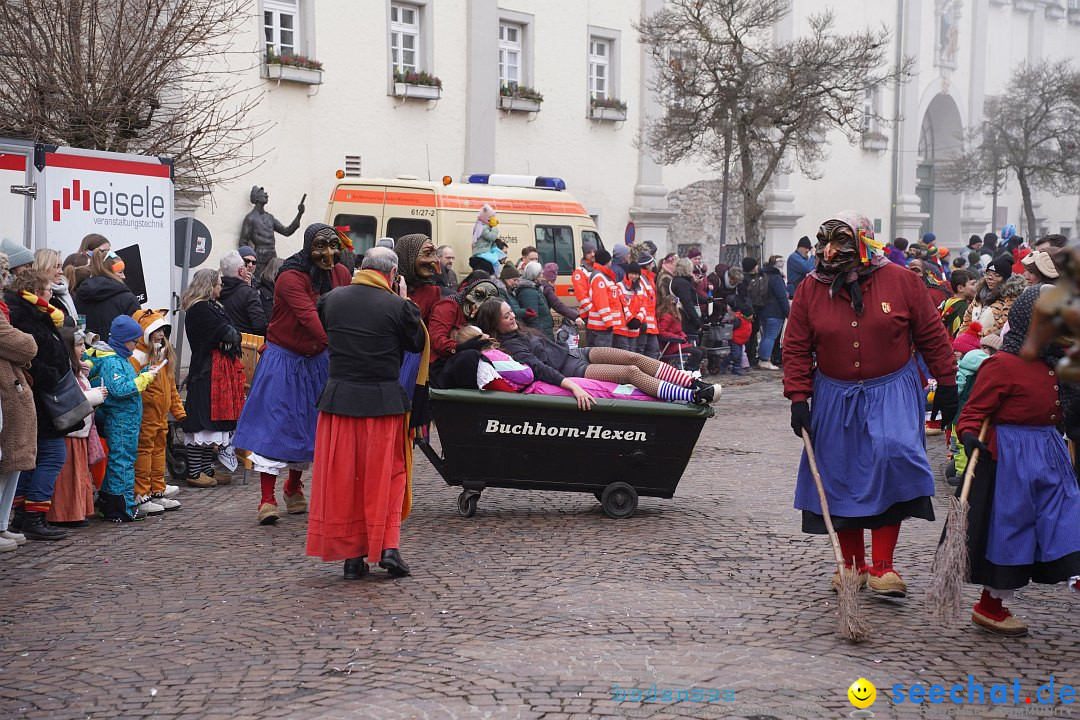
888,583
1004,623
295,503
268,514
203,481
863,577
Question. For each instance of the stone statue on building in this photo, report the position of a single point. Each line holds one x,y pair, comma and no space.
259,227
948,12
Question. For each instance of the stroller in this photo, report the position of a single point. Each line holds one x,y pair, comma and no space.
716,342
175,452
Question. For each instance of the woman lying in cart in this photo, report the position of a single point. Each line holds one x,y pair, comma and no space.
554,364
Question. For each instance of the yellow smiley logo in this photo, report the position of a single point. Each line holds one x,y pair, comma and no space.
862,693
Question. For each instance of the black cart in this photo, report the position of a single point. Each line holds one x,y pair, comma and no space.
617,451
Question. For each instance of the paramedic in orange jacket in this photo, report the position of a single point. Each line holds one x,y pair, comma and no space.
605,303
159,399
633,301
581,277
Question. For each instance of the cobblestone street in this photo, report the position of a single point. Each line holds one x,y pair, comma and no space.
537,607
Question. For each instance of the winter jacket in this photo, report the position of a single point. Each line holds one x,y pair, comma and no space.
160,397
530,297
446,319
556,304
294,324
682,287
778,305
18,434
51,363
798,267
509,298
580,281
243,306
549,360
101,299
991,309
94,395
634,302
896,255
672,338
266,297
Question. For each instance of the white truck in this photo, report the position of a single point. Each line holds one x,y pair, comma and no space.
52,197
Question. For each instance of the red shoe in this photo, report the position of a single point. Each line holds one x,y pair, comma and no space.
933,427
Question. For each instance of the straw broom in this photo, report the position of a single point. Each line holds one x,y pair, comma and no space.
951,563
852,625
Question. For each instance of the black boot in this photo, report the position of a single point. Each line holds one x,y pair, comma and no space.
392,563
36,528
18,518
355,568
114,508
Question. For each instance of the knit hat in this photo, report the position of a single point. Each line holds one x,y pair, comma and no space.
620,252
125,329
3,270
694,252
804,242
968,340
650,246
645,259
992,341
17,254
603,257
974,240
588,247
928,239
508,272
943,252
1002,265
748,264
246,252
551,271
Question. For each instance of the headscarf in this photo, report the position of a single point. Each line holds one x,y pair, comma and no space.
869,250
408,250
1020,315
460,297
301,261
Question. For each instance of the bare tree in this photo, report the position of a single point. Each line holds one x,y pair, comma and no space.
1031,131
728,88
142,76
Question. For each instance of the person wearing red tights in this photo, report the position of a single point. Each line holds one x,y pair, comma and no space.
854,325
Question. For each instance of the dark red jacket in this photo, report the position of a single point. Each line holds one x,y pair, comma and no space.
897,318
671,331
295,323
426,298
1011,391
446,319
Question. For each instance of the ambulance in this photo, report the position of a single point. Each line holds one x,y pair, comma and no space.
532,210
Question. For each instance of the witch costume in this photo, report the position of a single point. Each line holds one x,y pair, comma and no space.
278,422
1024,502
848,349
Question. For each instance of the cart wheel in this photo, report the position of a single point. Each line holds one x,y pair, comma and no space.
466,503
619,500
176,460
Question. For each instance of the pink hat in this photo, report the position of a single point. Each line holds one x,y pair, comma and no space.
968,340
551,271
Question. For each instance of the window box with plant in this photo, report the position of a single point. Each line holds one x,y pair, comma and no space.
611,109
417,84
519,98
292,68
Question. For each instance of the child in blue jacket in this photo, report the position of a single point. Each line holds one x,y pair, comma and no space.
120,417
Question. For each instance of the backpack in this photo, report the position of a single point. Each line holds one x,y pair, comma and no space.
758,290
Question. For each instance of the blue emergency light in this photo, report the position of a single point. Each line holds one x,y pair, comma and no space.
549,183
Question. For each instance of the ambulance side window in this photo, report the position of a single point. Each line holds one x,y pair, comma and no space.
398,228
360,228
555,243
590,236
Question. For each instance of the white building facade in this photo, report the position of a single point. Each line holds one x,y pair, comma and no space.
358,115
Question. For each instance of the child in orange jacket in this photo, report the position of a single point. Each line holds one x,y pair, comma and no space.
159,399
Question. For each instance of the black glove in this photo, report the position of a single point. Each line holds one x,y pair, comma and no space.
971,442
800,417
946,401
633,324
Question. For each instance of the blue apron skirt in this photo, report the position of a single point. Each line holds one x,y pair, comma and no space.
280,414
870,446
1024,522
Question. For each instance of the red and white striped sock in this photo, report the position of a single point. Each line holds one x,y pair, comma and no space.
671,374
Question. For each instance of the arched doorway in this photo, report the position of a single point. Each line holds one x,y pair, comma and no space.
939,137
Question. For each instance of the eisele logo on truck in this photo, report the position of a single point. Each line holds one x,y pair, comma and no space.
144,208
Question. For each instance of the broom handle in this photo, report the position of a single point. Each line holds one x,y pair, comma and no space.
969,471
824,501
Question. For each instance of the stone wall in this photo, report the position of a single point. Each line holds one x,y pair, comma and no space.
697,223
